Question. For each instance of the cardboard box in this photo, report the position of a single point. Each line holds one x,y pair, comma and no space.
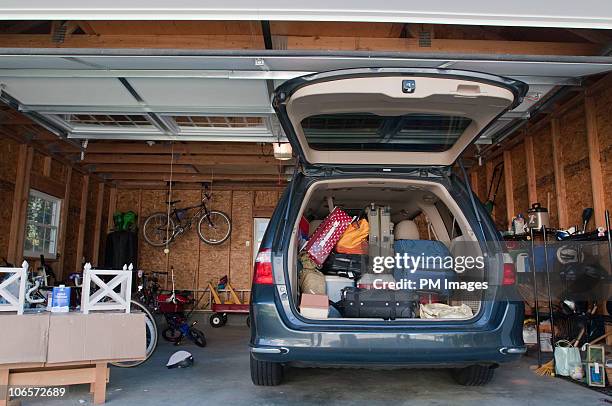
314,306
24,338
96,336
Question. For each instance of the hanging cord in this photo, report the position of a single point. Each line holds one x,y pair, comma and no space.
169,198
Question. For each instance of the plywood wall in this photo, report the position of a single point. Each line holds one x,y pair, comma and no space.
573,155
51,173
194,262
603,111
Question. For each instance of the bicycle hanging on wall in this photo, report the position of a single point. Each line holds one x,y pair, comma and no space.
213,226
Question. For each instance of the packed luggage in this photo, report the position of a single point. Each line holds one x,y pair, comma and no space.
336,276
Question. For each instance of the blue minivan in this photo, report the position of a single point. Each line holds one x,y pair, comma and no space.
389,137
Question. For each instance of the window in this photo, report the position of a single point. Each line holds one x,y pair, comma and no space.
364,131
42,225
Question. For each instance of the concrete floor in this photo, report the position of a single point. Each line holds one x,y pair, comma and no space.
221,376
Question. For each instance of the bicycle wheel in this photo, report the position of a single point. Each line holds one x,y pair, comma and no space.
214,228
171,334
158,229
198,337
151,332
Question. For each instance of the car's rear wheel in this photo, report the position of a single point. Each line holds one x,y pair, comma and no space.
264,373
474,375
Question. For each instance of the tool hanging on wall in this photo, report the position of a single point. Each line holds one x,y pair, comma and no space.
497,172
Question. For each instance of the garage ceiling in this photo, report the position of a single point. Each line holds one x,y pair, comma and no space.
220,96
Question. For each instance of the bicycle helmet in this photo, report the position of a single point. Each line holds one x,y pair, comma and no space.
180,359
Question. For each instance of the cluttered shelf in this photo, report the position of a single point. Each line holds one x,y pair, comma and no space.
563,278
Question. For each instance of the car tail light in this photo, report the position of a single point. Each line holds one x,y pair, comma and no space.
509,277
262,274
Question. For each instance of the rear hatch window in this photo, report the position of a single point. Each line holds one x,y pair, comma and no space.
364,131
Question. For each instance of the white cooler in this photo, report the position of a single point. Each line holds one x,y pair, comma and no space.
334,284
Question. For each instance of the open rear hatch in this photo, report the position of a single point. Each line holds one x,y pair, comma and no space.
364,120
391,117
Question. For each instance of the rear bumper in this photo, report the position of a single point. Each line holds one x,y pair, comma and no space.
272,340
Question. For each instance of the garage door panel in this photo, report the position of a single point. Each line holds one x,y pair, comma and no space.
69,91
232,95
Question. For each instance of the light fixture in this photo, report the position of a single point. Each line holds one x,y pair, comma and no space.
282,151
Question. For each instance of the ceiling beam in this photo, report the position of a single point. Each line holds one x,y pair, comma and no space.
140,168
301,42
21,26
86,27
183,159
135,41
594,36
216,185
443,45
185,177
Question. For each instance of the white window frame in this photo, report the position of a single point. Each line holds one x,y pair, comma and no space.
55,220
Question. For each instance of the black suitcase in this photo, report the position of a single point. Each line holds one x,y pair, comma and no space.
345,265
377,303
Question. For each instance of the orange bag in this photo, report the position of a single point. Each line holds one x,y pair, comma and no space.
354,240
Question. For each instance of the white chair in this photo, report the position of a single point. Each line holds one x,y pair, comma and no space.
17,282
115,300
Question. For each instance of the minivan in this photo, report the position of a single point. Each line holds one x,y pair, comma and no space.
391,137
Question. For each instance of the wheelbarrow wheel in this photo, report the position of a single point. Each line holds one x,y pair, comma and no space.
217,320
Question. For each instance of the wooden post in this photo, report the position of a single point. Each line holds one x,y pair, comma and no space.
99,393
474,181
532,191
18,191
98,225
597,185
4,383
20,204
63,223
82,218
112,206
508,186
559,174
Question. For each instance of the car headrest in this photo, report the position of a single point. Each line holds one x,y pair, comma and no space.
406,230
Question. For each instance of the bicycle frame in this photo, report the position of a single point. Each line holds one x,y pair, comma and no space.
183,225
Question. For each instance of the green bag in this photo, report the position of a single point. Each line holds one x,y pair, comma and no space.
128,221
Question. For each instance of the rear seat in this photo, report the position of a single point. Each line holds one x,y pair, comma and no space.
407,241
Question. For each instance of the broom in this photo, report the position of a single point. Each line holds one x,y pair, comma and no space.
548,369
